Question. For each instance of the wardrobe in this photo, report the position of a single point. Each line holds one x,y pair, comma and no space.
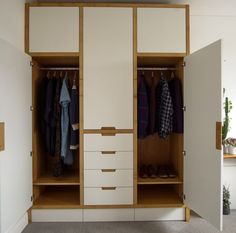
107,44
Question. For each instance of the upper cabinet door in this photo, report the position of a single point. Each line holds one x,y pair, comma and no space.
53,29
161,30
108,68
203,162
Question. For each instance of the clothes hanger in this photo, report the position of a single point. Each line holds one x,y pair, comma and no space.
48,74
74,81
172,74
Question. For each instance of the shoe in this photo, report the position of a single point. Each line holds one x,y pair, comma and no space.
171,172
57,169
152,173
162,172
143,171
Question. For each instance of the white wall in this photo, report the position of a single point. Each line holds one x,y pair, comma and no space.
15,113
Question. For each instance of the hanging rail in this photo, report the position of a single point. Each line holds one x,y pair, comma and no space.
60,68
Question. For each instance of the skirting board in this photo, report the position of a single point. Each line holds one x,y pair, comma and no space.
19,226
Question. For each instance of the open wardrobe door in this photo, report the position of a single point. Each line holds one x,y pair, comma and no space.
203,155
15,160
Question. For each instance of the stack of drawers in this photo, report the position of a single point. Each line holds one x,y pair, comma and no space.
108,169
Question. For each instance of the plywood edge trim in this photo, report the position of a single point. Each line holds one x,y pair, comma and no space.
26,32
161,54
54,54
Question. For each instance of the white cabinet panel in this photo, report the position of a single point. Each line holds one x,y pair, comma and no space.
54,29
108,68
203,162
97,142
57,215
113,160
105,177
161,30
117,196
159,214
114,215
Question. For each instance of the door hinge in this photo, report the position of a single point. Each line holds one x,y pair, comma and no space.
183,197
184,64
31,153
31,108
184,108
184,153
31,64
32,198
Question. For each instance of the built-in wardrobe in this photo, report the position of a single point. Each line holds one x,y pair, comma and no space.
104,49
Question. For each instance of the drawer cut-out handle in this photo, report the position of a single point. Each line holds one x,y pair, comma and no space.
108,152
108,170
108,188
108,131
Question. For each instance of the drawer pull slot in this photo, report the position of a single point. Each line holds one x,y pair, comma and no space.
108,131
108,188
108,152
108,170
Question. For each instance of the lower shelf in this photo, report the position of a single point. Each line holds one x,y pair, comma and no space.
158,196
57,197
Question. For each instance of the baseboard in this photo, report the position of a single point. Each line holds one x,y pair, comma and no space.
20,225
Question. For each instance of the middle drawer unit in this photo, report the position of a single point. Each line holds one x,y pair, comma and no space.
98,142
108,159
108,177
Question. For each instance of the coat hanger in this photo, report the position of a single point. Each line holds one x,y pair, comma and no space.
74,81
172,74
48,74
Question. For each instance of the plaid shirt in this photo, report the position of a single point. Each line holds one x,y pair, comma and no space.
164,109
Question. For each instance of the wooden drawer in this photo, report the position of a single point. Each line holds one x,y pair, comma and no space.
108,159
118,142
108,196
108,177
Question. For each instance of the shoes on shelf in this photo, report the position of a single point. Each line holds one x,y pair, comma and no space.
143,173
171,172
152,171
162,172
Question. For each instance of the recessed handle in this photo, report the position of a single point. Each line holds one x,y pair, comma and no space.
108,152
108,131
218,135
2,136
108,170
108,188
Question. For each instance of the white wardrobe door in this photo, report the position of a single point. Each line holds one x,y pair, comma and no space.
203,162
108,68
161,30
54,29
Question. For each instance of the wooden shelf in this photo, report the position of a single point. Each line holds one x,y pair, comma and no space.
158,196
146,181
66,179
229,156
58,197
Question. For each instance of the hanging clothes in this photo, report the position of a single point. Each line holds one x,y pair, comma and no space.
74,118
65,100
164,108
143,109
175,86
151,82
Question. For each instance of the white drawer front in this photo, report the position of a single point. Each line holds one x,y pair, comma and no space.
108,177
118,196
114,215
113,160
118,142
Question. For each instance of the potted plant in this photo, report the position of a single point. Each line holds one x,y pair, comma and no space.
225,127
231,142
226,201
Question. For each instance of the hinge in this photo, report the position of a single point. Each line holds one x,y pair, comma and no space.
32,198
31,153
31,108
184,64
184,153
183,196
184,108
31,64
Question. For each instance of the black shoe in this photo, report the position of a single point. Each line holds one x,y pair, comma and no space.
143,171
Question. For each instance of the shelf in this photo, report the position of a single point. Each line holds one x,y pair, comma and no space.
158,196
229,156
58,197
146,181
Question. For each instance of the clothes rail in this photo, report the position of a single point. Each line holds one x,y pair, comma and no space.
156,68
60,68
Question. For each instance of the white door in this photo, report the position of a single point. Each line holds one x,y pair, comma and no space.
108,68
54,29
161,30
203,162
15,160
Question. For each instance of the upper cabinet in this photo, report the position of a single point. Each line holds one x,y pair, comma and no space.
162,30
53,29
108,67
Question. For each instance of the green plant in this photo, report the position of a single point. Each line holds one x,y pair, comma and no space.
225,128
231,141
226,197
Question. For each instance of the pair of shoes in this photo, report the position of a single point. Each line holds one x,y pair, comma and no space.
166,172
148,171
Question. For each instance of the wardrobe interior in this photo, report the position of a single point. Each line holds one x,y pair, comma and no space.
50,189
158,152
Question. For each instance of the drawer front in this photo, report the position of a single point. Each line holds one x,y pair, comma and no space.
108,159
107,196
108,177
118,142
